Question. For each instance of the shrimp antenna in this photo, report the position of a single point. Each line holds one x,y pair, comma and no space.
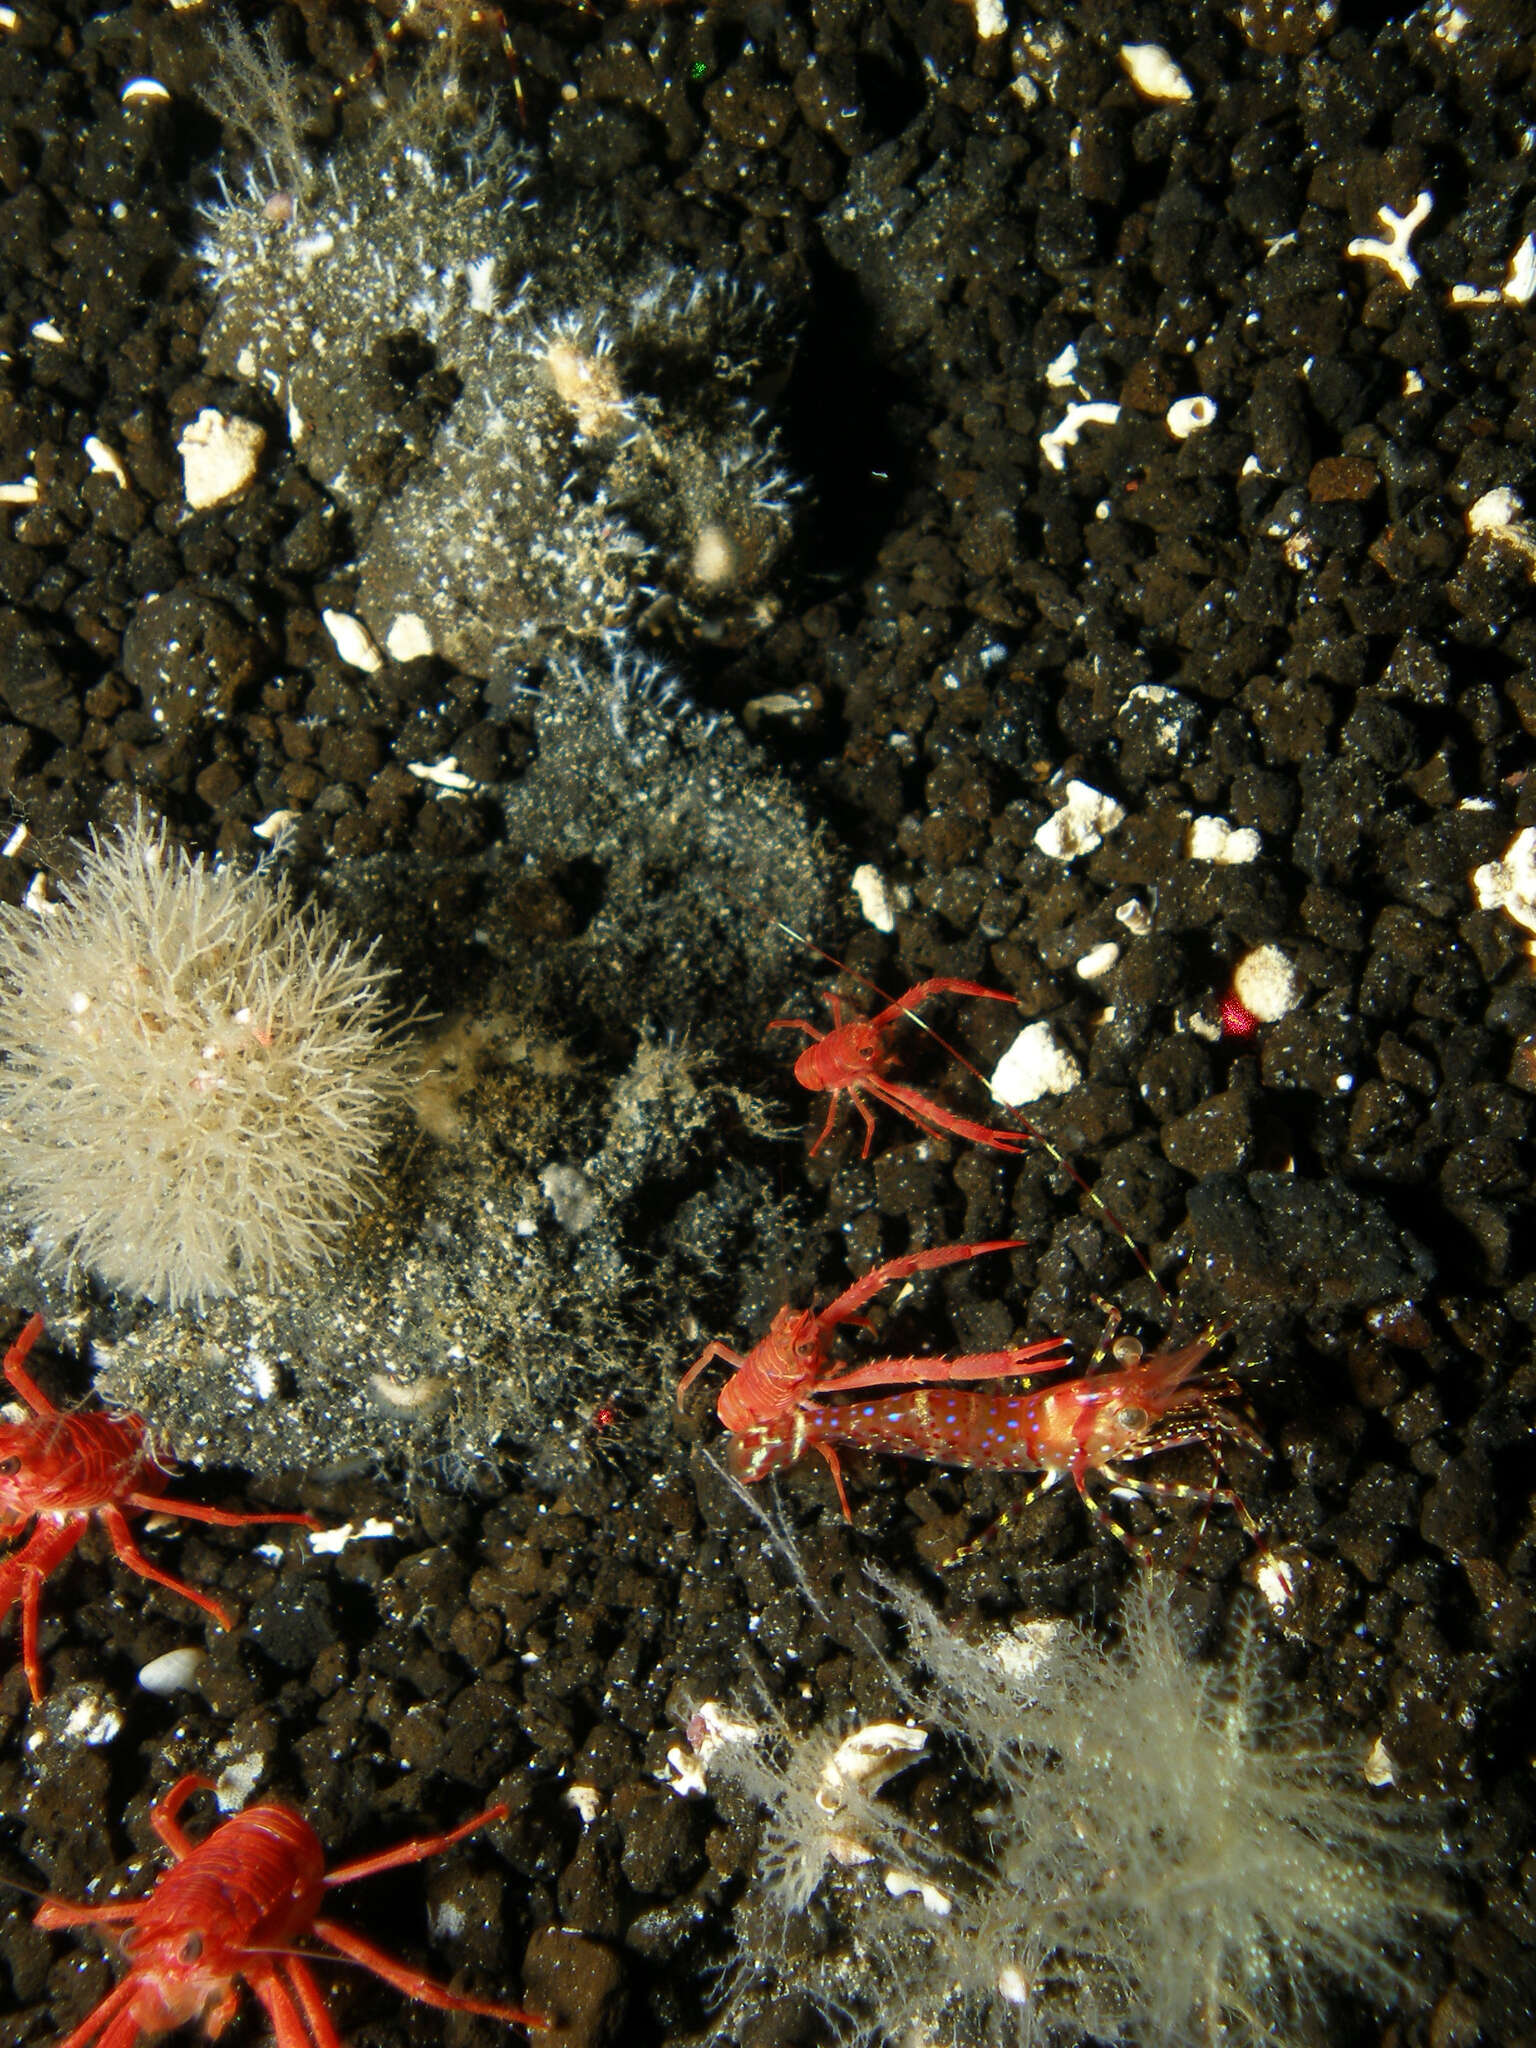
1020,1123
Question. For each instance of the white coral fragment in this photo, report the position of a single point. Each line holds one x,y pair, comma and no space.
1393,252
1055,442
1081,823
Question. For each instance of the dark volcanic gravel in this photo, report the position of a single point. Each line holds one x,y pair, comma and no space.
1303,634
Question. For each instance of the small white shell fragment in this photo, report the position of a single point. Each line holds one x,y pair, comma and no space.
1135,916
105,461
421,1395
16,842
1062,368
354,642
866,1758
143,89
1064,435
447,1921
408,638
1013,1985
1098,960
219,456
1510,884
878,899
1218,841
10,20
1495,517
275,825
991,21
1266,983
328,1542
1025,1651
902,1885
862,1762
44,330
1188,416
572,1197
1378,1768
1035,1064
1519,286
1081,823
23,492
173,1672
684,1777
262,1374
585,1801
1153,72
710,1728
1494,510
1276,1582
237,1781
444,774
93,1718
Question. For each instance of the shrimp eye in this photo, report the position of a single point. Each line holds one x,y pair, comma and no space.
8,1466
191,1948
1132,1418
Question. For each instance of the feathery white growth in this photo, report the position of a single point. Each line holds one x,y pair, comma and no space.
1165,1854
195,1075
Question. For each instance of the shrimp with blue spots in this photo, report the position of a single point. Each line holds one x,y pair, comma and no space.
1087,1427
779,1379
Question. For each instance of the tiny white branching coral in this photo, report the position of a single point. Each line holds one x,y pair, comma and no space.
1147,1849
195,1076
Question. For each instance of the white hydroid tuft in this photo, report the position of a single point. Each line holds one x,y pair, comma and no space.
1151,1850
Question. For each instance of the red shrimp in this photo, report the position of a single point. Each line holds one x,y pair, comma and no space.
852,1060
62,1471
776,1382
1085,1428
231,1908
